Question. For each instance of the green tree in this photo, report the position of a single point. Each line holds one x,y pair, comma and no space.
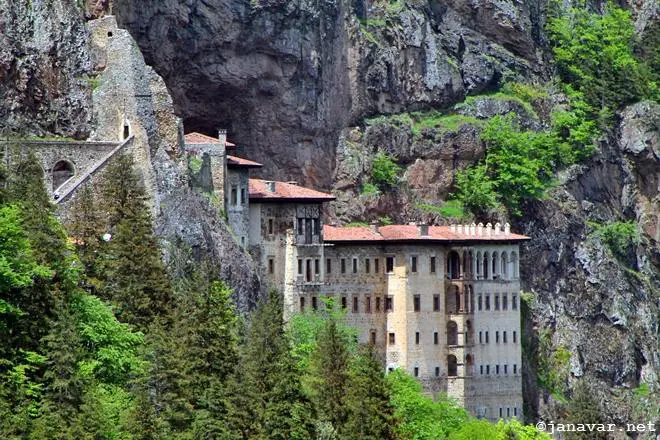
370,412
583,408
385,172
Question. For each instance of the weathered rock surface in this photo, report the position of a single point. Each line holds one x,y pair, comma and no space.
44,62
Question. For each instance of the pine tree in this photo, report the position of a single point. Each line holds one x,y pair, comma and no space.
370,413
583,408
134,277
330,369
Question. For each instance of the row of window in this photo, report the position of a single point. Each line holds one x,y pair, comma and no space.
485,369
234,199
483,301
387,301
484,337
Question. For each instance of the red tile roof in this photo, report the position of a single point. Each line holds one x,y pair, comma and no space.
285,192
239,162
410,233
199,138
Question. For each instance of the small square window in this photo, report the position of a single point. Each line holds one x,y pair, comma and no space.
271,265
391,339
416,303
437,371
416,371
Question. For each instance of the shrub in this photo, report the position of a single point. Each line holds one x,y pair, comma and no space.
385,171
619,237
450,209
369,189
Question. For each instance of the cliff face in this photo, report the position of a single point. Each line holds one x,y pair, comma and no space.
44,62
293,81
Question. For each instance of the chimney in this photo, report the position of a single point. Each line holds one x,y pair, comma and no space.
222,136
423,230
373,226
270,186
507,228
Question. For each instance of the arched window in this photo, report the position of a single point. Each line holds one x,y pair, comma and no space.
486,266
469,332
453,265
495,265
471,264
452,333
471,290
452,366
62,171
479,264
514,265
504,271
469,364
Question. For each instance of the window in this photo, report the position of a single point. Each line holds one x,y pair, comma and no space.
367,265
343,265
416,371
435,338
315,304
486,337
372,337
487,369
271,226
234,195
515,411
376,265
317,266
436,303
506,369
328,265
432,264
389,264
479,302
505,302
301,226
416,303
243,198
515,369
514,302
367,304
480,338
437,371
355,265
356,304
417,338
497,302
504,337
389,303
271,265
308,270
413,264
300,266
497,337
515,337
500,413
481,369
487,302
302,304
507,412
315,226
497,369
378,303
343,302
391,338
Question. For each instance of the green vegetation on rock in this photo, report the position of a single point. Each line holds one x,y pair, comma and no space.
619,237
451,209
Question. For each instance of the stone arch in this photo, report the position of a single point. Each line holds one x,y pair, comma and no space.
452,333
61,172
452,299
453,265
504,271
469,365
452,366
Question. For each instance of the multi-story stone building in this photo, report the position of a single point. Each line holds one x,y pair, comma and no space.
441,302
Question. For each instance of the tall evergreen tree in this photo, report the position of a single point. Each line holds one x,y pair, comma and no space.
583,408
135,280
330,370
370,413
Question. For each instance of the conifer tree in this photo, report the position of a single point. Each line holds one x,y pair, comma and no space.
370,415
135,280
582,408
330,369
